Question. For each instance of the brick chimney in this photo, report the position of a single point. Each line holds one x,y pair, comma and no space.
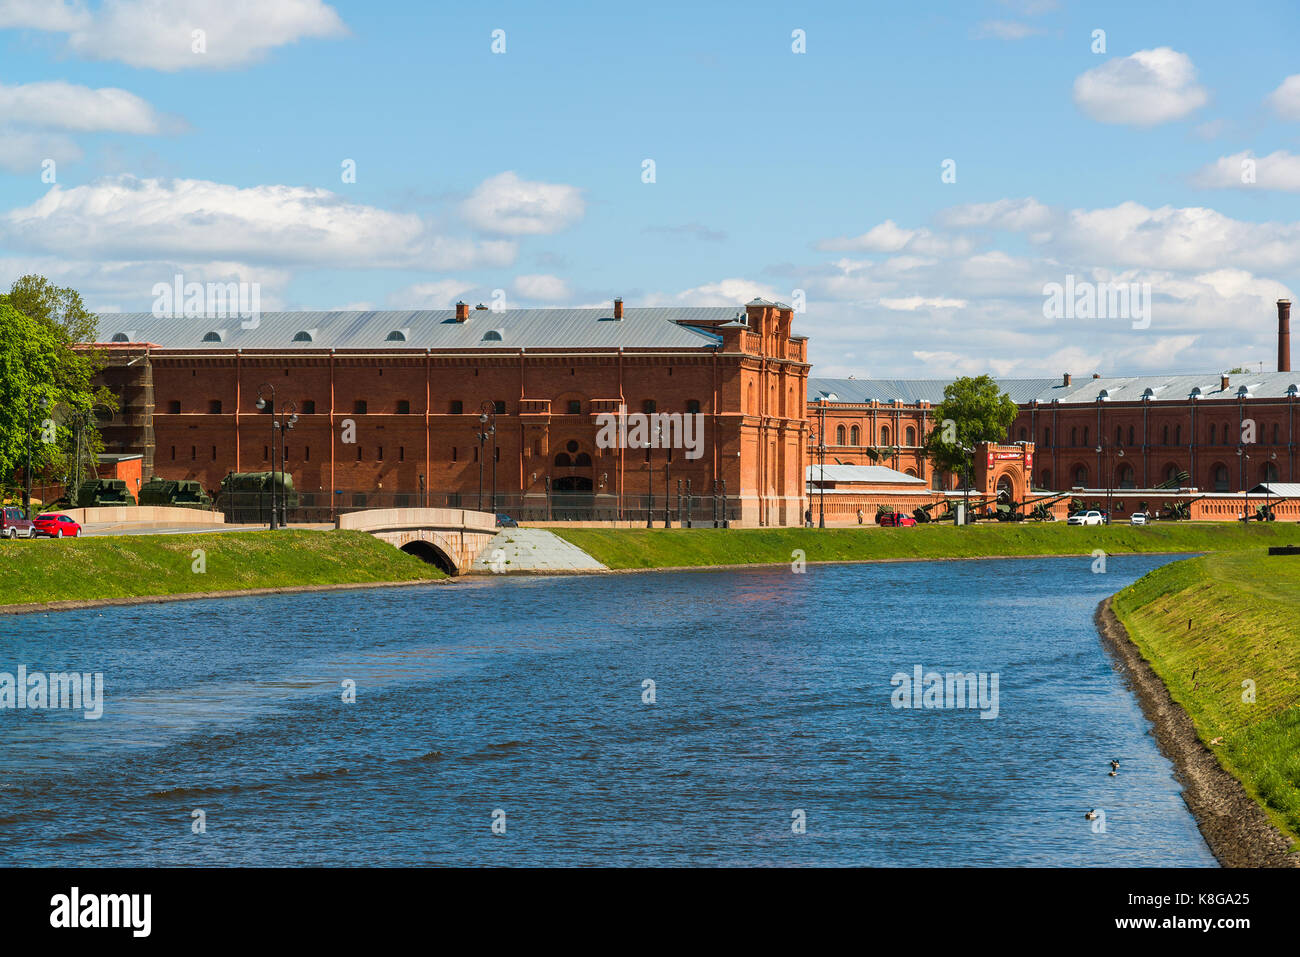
1065,380
618,308
462,311
1284,335
1223,383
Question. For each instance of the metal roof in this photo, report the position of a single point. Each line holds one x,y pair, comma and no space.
873,474
1082,391
646,328
1278,489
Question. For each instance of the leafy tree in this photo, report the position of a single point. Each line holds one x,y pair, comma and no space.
973,410
47,388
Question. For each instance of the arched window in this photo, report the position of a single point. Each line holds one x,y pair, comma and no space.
562,461
884,435
693,406
1047,479
1024,435
1268,473
1171,472
1212,427
911,436
855,436
839,435
1074,436
1124,478
1085,435
1164,439
1081,476
582,460
1047,438
1130,435
1178,435
1119,435
1220,475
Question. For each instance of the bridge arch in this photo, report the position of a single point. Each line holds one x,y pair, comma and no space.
430,554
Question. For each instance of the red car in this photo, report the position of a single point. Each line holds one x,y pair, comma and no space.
56,526
894,520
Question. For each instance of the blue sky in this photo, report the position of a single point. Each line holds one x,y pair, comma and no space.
775,171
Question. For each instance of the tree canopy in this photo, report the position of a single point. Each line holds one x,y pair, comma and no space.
973,410
46,387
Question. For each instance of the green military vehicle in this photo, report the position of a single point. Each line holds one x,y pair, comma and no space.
98,493
178,493
246,496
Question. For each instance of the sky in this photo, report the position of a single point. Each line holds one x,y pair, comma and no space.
913,178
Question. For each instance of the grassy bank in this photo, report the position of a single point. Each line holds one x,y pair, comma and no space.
1208,624
673,548
131,566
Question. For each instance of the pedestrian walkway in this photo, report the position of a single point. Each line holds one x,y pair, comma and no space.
524,550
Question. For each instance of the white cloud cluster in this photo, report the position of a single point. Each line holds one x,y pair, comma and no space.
509,206
35,118
542,288
1144,89
1279,170
125,217
1286,98
160,34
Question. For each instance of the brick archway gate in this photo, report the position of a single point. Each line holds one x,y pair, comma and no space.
1008,466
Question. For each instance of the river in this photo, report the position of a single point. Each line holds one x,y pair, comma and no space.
773,736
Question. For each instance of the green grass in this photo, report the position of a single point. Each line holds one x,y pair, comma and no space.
674,548
131,566
1209,624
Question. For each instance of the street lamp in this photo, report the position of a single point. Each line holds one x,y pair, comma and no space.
262,390
288,419
1110,477
487,420
821,452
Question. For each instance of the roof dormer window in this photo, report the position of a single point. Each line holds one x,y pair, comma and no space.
306,335
492,335
397,335
216,335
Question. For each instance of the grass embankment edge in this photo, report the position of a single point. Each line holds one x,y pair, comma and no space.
47,575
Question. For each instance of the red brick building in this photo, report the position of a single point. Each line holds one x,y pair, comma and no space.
389,405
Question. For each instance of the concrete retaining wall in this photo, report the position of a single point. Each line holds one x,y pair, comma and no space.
165,515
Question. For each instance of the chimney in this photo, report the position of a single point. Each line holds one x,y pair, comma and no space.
618,308
1284,335
1223,382
1096,375
1065,380
462,311
480,308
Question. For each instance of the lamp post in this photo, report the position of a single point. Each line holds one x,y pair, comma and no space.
262,391
1117,454
650,492
668,495
821,453
287,420
1242,469
487,421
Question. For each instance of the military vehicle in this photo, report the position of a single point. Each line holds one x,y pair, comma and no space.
179,493
96,493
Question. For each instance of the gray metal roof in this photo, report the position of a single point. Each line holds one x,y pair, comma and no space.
427,329
860,473
1082,390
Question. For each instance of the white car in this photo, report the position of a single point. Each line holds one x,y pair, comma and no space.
1138,518
1086,518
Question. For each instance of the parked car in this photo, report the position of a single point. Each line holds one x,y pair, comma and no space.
57,526
895,520
1138,518
13,523
1092,517
505,521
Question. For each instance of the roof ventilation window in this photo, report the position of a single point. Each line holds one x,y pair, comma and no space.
1103,395
216,335
120,337
1243,391
397,335
306,335
492,335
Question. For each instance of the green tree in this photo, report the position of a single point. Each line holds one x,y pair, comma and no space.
44,381
973,410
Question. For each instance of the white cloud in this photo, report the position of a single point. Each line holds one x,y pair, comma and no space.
126,218
22,151
888,237
158,34
913,303
57,105
725,292
507,205
1286,98
1007,29
542,288
1144,89
1016,215
442,294
1278,170
55,15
